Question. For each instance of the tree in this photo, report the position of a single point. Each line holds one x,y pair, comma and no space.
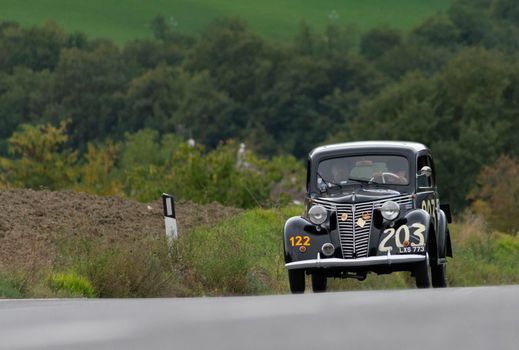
88,88
437,30
99,171
23,99
465,113
304,40
40,158
506,10
496,194
378,41
37,48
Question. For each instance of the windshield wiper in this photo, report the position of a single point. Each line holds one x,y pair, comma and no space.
329,184
363,181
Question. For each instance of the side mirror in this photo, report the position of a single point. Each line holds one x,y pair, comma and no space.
426,170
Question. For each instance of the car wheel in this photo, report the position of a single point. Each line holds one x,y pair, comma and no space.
319,282
296,279
439,276
421,274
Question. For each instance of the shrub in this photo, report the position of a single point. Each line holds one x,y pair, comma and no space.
135,267
71,284
242,255
496,194
487,258
8,289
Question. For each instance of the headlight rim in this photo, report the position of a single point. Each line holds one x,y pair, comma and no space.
384,210
317,207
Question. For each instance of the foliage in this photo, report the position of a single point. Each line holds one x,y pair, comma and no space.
465,114
451,82
145,165
40,160
98,172
494,254
242,255
7,290
496,194
126,268
71,285
10,286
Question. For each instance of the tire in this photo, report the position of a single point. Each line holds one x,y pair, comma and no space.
296,279
439,276
319,282
421,274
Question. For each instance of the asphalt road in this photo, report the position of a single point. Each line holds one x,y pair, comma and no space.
453,318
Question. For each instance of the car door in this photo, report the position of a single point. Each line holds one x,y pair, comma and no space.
426,194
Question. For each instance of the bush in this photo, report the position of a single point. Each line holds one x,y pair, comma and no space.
71,285
135,267
145,165
8,289
496,194
481,256
243,255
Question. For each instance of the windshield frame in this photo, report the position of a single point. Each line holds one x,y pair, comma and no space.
312,185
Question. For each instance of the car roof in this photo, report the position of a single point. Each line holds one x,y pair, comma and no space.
408,146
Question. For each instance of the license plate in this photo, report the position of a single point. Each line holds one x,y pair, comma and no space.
411,250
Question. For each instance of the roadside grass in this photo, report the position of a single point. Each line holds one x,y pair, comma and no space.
239,256
242,255
271,18
482,257
9,288
139,267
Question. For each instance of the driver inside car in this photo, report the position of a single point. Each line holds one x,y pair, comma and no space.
399,168
396,172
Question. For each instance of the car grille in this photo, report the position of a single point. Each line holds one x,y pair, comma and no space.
354,232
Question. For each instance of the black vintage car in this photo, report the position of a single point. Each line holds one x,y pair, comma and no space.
370,207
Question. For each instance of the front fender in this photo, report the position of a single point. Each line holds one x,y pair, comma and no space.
299,232
411,231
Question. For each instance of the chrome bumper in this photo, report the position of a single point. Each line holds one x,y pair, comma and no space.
369,261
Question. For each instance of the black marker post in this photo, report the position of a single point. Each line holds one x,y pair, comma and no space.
170,220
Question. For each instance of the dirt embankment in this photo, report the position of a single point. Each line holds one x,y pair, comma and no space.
31,220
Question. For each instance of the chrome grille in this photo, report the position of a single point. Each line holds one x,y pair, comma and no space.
354,234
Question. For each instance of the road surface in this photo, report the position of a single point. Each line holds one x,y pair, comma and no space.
453,318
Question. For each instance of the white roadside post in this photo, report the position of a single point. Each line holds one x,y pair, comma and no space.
170,221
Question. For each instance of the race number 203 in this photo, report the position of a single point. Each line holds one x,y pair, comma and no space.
408,239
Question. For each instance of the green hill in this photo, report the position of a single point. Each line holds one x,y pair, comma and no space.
278,19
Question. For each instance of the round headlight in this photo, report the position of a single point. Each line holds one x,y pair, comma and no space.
390,210
317,214
328,249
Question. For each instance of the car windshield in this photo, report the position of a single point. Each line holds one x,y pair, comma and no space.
376,169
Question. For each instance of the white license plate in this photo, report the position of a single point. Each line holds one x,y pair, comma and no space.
411,250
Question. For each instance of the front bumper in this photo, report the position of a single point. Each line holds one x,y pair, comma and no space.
384,260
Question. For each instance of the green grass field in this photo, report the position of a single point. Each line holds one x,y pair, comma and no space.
278,19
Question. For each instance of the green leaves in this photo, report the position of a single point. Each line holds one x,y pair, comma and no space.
145,165
451,82
40,159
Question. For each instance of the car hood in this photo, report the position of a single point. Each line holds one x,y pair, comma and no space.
361,195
